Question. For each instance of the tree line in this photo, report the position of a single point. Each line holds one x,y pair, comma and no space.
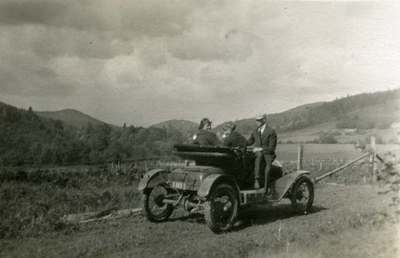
27,138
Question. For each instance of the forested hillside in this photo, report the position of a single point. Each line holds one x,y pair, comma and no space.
27,138
185,127
362,111
70,117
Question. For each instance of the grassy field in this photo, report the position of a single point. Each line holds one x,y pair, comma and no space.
347,221
288,152
32,200
341,135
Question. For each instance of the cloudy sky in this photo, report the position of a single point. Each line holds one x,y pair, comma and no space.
145,61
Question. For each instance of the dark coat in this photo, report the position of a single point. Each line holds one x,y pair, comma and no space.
235,139
267,141
205,137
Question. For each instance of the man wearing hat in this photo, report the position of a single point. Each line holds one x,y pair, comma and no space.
264,139
231,137
204,136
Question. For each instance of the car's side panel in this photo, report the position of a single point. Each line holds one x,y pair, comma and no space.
153,178
282,185
185,180
212,180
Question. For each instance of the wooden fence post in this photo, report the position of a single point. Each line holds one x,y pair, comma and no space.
300,157
372,159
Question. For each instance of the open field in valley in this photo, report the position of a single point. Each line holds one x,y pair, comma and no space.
348,213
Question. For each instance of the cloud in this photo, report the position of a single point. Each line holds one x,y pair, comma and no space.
49,42
145,61
231,45
136,18
22,75
29,12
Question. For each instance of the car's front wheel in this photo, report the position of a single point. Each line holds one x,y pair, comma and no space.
154,208
221,208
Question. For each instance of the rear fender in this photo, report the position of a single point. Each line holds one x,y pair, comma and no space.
153,178
283,185
211,180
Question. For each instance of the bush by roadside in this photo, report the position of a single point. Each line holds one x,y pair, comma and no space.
33,201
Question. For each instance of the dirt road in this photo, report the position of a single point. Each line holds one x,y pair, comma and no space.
347,221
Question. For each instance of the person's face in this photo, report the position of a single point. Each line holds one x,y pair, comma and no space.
208,126
228,131
259,122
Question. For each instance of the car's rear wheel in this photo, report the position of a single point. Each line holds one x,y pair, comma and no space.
302,195
154,207
221,208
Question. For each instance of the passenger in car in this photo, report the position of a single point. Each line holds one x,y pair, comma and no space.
231,138
204,136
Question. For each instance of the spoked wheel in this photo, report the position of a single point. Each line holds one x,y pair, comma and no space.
302,195
221,208
154,208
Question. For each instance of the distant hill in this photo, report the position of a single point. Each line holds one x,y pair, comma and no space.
64,137
245,126
185,127
30,138
71,117
365,111
4,106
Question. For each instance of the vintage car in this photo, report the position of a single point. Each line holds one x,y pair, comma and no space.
218,183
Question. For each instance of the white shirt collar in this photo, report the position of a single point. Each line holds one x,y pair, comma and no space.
262,128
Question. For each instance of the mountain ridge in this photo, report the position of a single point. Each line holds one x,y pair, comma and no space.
186,127
363,111
341,110
31,138
71,117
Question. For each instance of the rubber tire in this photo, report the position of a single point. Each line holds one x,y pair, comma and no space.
293,199
147,211
208,212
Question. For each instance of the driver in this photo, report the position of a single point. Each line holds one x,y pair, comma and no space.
264,139
204,136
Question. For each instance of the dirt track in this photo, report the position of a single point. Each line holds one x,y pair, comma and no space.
348,221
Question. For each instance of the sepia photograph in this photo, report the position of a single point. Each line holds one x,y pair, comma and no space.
215,128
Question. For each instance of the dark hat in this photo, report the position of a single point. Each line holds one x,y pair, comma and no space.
204,122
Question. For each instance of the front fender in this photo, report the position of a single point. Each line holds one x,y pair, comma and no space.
212,180
152,178
284,184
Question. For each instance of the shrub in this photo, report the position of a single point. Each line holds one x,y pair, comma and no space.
34,200
327,138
